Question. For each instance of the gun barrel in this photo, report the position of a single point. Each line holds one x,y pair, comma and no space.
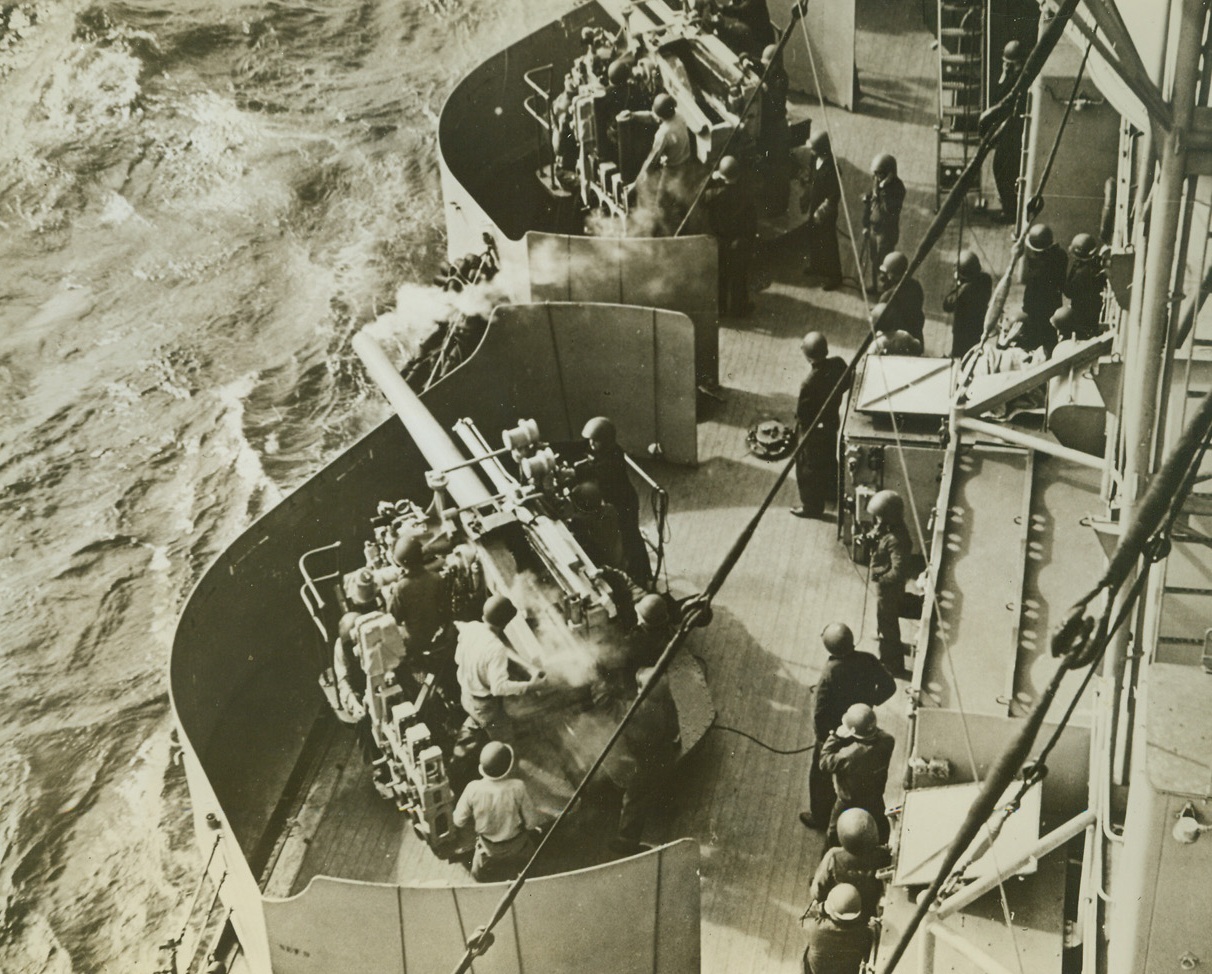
464,484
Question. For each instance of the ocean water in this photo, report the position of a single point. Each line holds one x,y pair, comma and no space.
200,203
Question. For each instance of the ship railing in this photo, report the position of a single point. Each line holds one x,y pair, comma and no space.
309,591
543,115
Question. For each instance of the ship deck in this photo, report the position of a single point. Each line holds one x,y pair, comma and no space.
762,654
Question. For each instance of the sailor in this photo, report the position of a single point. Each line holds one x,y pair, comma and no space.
350,677
651,633
968,302
1007,153
1044,272
856,861
890,566
1084,285
420,602
622,95
890,340
840,939
595,524
1064,323
858,753
419,599
905,312
817,422
731,209
607,466
773,132
882,212
754,15
501,812
849,677
663,186
820,202
651,745
482,658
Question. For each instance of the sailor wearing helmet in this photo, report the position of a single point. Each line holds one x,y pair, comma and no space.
482,659
501,812
839,939
857,754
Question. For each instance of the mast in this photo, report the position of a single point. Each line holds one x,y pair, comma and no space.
1147,820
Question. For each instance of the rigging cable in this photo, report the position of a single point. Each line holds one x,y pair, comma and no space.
698,609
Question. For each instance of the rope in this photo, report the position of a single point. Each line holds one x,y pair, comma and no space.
760,743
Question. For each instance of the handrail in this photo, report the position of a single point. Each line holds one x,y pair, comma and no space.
529,109
308,581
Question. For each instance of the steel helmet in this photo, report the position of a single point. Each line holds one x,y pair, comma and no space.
887,504
895,265
619,72
652,611
730,168
883,165
1084,247
968,265
345,627
1039,237
819,143
498,611
1062,321
857,832
814,346
496,759
858,721
587,496
663,106
844,903
599,428
408,551
838,638
1013,52
768,53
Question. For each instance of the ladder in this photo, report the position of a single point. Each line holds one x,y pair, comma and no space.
961,88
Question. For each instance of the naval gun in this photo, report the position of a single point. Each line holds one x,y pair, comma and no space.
467,507
597,148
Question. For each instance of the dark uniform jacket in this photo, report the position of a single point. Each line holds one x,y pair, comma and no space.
421,604
840,866
968,305
732,210
890,560
1084,288
1043,286
822,388
608,470
907,313
884,215
854,678
835,947
859,767
824,194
